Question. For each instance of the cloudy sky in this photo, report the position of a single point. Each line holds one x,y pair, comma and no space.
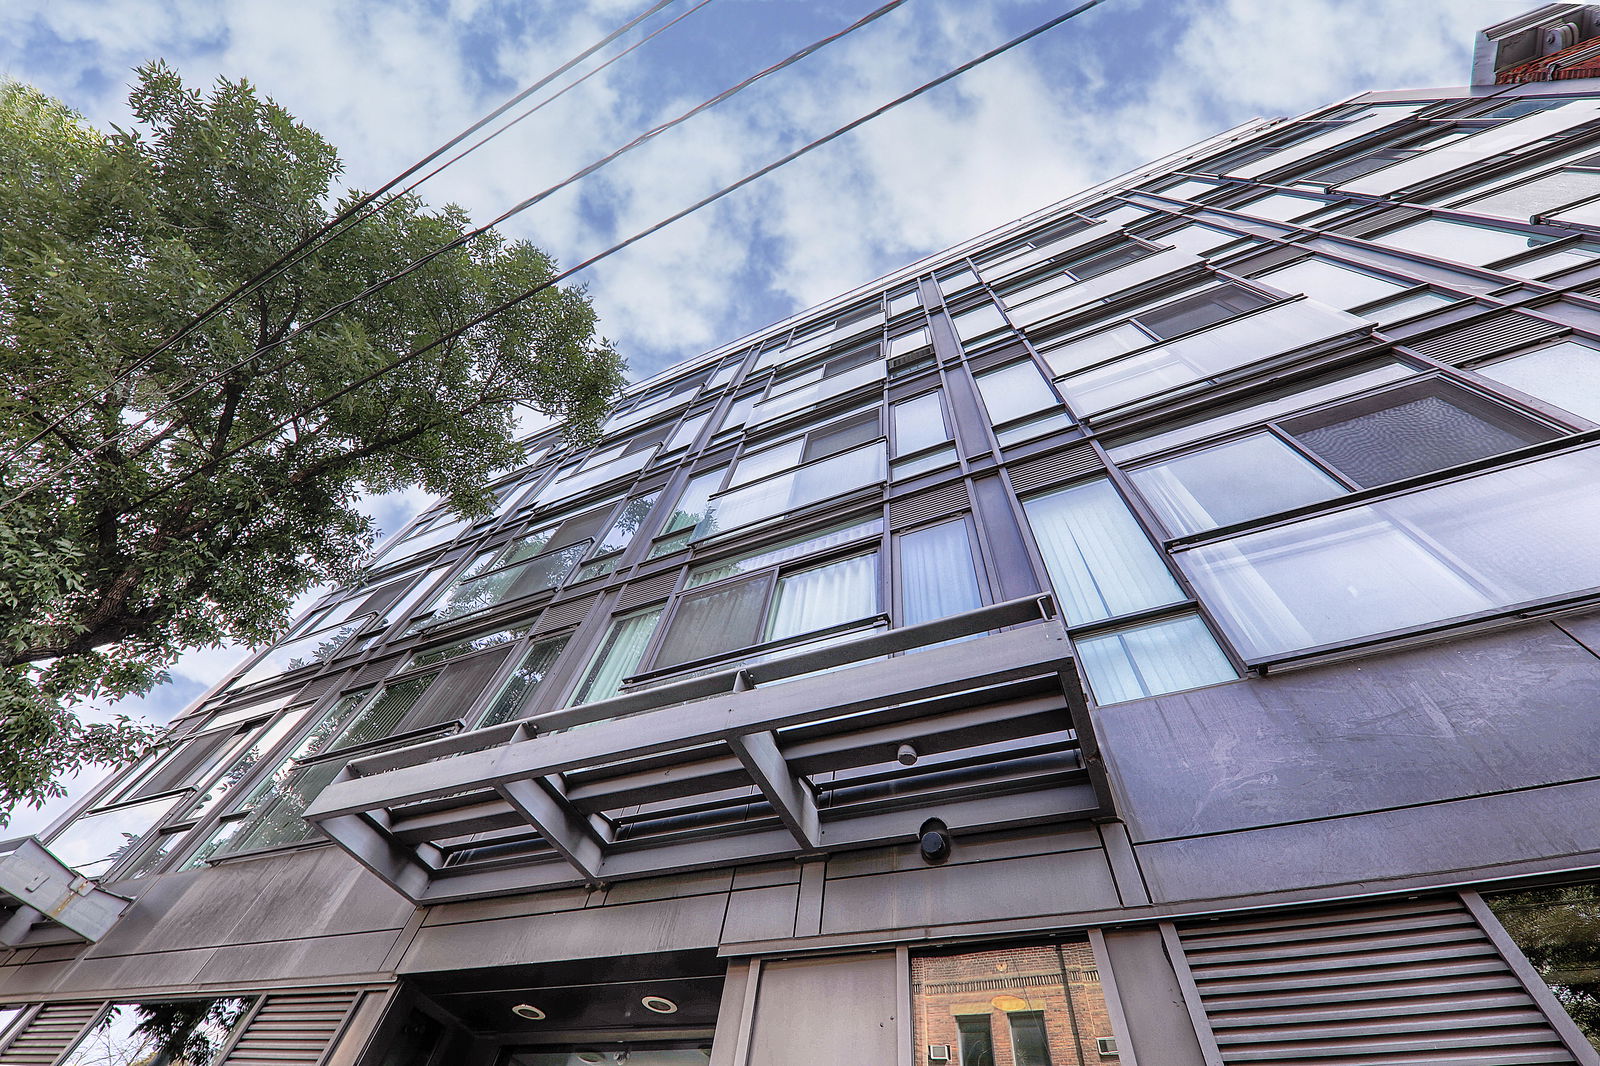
389,80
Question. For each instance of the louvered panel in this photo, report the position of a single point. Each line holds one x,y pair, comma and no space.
50,1033
1494,335
292,1030
935,503
1364,227
1062,466
642,592
316,688
562,615
1414,983
374,672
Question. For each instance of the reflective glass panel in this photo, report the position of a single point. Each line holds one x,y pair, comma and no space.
1015,390
919,424
188,1032
618,657
1537,197
1244,478
93,844
937,577
1558,929
1459,242
1334,285
524,681
1566,375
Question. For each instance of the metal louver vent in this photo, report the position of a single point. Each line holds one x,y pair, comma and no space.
935,503
50,1033
316,687
1366,227
1062,466
1488,337
640,592
292,1030
561,615
374,671
1413,982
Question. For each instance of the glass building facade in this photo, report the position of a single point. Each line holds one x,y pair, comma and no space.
1165,628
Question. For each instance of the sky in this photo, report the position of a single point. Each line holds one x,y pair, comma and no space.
387,81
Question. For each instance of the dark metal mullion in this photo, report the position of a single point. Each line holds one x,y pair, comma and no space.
1275,429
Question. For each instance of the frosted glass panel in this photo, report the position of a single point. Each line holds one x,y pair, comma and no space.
1482,543
1537,197
1231,482
1566,375
1332,284
1459,242
1148,660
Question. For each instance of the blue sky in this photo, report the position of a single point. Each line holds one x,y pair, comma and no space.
388,80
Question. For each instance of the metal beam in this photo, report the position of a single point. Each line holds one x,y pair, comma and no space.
789,795
569,832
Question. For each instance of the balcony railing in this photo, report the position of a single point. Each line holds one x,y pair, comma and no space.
847,746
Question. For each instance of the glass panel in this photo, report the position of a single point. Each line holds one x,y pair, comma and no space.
767,461
841,435
976,323
956,282
1280,206
789,492
1033,427
909,342
93,844
691,506
617,658
1537,197
1245,478
1045,998
1558,929
716,620
1542,266
685,434
808,396
380,717
245,762
1459,242
1500,538
277,818
1407,307
939,457
1566,375
1097,347
1099,560
937,577
1330,283
1195,239
1189,313
318,647
1399,434
1015,390
906,301
626,524
524,681
798,548
465,646
824,596
190,1032
919,424
1150,659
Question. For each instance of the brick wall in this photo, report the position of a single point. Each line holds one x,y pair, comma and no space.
1006,987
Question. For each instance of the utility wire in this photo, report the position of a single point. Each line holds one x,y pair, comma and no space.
726,190
462,240
347,216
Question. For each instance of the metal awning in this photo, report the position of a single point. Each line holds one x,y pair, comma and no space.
837,748
45,901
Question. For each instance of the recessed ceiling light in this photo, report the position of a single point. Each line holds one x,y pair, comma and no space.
528,1011
590,1056
659,1004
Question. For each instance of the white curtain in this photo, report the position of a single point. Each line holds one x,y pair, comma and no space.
618,657
1099,560
825,596
1149,660
936,574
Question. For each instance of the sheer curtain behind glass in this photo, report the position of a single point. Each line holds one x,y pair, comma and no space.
936,573
1099,560
618,657
824,596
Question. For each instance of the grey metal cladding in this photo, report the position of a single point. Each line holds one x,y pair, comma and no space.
49,1033
1411,981
1490,336
292,1030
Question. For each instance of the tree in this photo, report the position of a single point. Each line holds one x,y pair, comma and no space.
206,523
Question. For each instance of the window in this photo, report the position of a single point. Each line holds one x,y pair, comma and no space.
978,323
1195,239
1475,544
1556,929
1538,196
1189,313
1565,258
1385,436
1099,560
761,598
688,512
794,489
1280,206
937,573
1152,658
618,657
1565,375
609,546
185,1032
824,381
921,435
516,695
1332,284
1460,242
1043,1000
1021,403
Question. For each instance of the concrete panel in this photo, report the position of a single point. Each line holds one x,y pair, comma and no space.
1063,883
830,1010
594,932
1467,835
1152,1002
1504,710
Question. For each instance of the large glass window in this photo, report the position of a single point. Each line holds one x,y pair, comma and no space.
1332,284
794,489
185,1032
1565,375
1152,658
1477,544
1460,242
1558,929
1254,475
1100,561
1021,403
921,435
618,656
1539,196
937,573
1042,1003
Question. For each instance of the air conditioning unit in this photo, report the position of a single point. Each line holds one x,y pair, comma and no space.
938,1052
1106,1045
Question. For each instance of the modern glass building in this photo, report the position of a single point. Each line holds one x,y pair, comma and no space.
1164,630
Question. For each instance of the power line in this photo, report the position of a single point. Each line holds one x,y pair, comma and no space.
345,218
726,190
464,239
